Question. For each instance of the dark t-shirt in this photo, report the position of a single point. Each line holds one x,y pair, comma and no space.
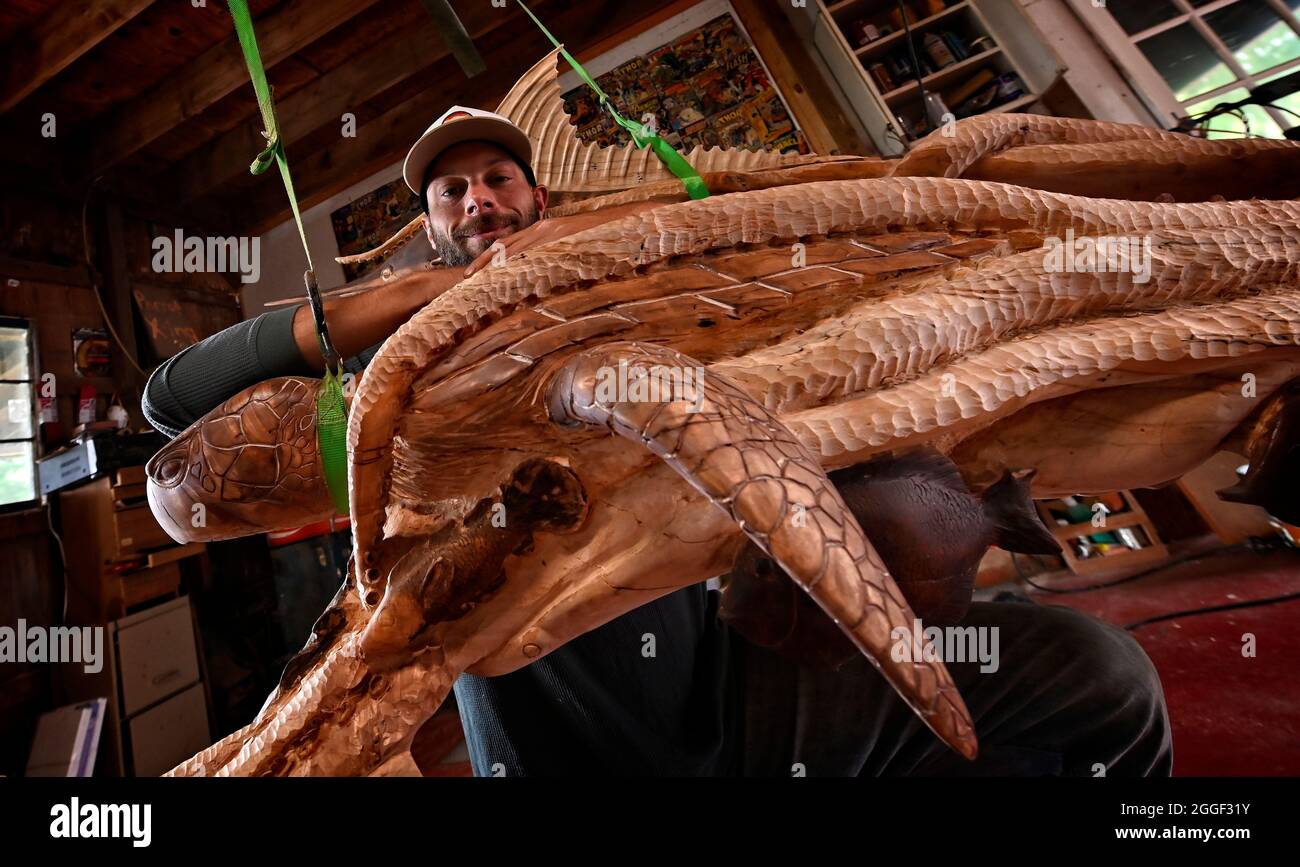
599,705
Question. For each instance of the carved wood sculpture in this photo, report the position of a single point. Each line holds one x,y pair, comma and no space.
918,311
930,532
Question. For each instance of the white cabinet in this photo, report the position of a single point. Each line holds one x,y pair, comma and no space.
152,676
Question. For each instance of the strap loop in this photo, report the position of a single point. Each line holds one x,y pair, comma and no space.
331,408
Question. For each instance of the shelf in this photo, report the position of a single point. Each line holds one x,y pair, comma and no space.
836,8
872,50
1133,516
936,80
1118,521
1018,102
999,21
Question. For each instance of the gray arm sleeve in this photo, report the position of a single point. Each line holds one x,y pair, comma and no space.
201,377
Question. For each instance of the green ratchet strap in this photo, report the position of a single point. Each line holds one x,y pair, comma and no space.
331,409
672,160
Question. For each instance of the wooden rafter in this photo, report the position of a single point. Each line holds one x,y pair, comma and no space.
323,101
56,40
292,26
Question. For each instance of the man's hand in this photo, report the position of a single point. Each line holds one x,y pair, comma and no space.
545,231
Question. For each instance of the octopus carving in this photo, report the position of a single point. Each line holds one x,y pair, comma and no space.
612,416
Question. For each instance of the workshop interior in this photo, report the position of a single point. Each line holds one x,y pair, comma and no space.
845,317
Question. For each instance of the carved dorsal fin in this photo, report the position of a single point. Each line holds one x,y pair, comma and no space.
565,164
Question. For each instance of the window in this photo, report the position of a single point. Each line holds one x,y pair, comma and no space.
18,428
1186,56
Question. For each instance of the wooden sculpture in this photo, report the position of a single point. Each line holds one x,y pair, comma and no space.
812,314
930,533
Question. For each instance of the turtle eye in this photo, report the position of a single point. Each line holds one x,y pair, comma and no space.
168,470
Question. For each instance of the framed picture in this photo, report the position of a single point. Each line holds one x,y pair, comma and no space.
698,76
368,221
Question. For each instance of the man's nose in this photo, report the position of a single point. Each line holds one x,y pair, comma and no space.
479,198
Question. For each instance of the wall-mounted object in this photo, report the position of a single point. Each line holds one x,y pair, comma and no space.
91,353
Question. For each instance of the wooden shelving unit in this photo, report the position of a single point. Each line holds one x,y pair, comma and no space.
1131,517
945,76
880,47
1001,40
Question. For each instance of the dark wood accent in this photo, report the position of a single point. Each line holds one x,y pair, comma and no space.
117,288
57,39
323,101
22,269
294,25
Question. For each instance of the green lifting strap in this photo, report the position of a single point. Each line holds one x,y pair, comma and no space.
641,137
331,409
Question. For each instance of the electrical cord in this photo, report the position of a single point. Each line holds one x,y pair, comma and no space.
94,284
1232,606
911,46
1168,564
1283,108
1256,544
63,557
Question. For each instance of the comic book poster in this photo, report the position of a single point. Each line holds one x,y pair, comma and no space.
367,222
773,117
705,88
663,66
682,107
717,92
692,54
790,143
583,107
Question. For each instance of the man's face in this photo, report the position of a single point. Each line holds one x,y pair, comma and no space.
477,193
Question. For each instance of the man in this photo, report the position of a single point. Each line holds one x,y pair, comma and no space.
1070,695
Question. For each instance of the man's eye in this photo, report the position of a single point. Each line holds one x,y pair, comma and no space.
448,193
500,178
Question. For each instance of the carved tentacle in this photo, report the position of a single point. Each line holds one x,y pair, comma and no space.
948,152
738,454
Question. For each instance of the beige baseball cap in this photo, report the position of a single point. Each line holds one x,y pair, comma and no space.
460,124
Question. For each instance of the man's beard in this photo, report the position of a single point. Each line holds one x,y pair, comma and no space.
454,250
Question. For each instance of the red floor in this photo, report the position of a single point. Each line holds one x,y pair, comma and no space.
1232,715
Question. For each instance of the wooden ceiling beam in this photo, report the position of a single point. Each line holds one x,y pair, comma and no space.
56,40
386,138
293,25
323,102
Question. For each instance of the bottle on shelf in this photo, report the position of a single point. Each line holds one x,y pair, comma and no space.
938,51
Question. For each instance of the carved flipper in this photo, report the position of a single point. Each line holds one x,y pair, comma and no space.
739,455
249,466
